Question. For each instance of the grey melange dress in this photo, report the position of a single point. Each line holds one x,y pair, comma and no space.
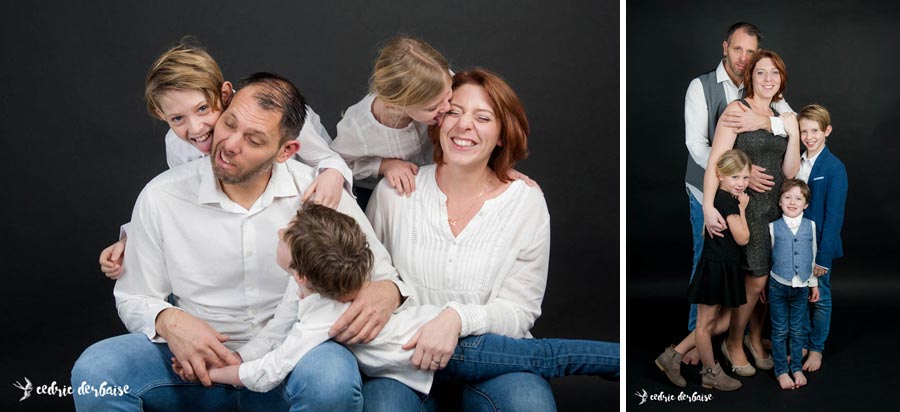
765,150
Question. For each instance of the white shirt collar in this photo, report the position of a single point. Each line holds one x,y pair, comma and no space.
792,222
812,159
281,184
722,75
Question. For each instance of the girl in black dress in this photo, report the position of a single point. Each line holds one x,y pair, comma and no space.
718,282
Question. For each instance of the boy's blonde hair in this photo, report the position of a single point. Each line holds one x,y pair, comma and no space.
186,66
732,161
816,113
330,250
409,73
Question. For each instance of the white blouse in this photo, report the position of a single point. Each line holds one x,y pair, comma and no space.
493,274
363,141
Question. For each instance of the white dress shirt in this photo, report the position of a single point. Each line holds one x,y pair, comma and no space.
363,141
493,274
806,165
186,237
382,357
793,223
696,119
314,150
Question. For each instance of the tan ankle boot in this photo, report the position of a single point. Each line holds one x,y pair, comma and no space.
715,378
670,362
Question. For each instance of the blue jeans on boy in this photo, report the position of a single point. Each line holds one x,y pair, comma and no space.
820,316
787,306
501,373
326,380
697,233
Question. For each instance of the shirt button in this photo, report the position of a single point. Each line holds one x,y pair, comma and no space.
249,253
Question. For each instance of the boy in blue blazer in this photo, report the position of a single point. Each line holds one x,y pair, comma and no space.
827,180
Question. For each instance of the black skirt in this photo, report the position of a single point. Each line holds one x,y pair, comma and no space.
718,283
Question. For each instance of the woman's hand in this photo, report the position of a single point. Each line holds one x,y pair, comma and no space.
400,174
111,259
713,222
435,341
326,189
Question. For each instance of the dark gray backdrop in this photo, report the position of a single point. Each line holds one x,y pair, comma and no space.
79,145
838,54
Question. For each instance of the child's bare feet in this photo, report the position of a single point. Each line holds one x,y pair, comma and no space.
813,362
799,379
785,381
805,352
691,358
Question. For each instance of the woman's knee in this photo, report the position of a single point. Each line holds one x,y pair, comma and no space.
389,395
524,392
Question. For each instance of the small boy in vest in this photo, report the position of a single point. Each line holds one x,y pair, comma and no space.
791,283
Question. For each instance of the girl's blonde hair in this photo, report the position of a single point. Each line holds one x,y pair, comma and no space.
409,73
732,161
186,66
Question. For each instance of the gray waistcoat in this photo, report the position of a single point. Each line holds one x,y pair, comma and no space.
716,104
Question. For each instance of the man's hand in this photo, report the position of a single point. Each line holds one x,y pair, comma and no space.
368,313
760,181
714,222
326,189
814,294
400,174
746,120
111,259
195,344
517,175
435,341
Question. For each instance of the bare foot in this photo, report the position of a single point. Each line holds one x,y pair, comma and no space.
691,358
813,362
784,380
799,379
805,352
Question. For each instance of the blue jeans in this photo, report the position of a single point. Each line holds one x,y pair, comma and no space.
697,233
820,316
501,373
327,379
787,307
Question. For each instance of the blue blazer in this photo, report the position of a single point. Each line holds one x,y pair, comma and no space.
828,186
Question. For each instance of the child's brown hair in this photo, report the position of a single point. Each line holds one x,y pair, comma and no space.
330,250
792,183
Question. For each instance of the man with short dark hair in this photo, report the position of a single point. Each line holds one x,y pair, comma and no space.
705,101
206,234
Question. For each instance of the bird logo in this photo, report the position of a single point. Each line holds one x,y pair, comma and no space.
643,396
27,388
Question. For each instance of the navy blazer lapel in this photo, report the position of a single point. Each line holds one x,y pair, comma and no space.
821,161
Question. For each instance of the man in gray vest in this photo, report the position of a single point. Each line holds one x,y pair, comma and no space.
706,99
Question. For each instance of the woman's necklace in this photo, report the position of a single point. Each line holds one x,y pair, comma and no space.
453,222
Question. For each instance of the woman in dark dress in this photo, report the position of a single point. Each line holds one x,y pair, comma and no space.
765,81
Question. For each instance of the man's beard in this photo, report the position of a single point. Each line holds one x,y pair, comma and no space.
242,176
